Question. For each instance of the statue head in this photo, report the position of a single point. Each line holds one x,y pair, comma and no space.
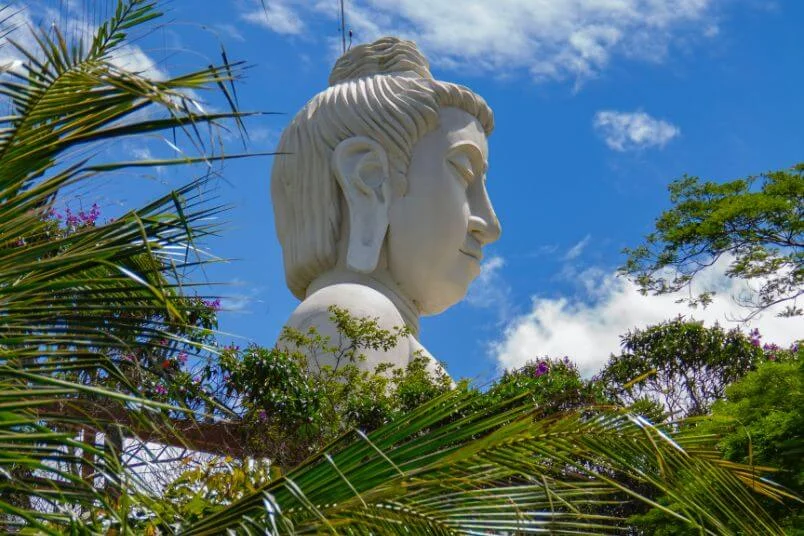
385,170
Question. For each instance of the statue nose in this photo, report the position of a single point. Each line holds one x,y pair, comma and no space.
483,222
485,226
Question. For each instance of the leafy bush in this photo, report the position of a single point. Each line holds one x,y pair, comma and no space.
294,411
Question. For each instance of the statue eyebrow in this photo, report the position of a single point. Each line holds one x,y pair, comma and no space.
479,164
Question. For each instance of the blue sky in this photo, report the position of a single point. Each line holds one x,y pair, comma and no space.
598,105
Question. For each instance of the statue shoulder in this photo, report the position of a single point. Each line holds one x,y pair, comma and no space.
360,301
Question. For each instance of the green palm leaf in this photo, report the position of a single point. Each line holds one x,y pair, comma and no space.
73,303
451,468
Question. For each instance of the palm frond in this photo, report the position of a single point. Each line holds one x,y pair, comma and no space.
445,471
72,304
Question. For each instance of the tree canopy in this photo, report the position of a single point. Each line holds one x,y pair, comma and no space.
680,365
756,225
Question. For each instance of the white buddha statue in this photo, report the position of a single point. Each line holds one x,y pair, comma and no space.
380,197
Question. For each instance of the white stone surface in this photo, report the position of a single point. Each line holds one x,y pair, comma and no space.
380,201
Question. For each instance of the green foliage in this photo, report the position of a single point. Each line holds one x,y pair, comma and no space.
77,296
757,223
679,365
758,423
608,484
295,411
761,422
500,468
203,489
551,385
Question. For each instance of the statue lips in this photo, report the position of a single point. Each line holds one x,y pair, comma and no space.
472,248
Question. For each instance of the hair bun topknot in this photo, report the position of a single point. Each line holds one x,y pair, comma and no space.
384,56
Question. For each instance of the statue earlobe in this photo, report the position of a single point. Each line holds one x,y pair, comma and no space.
361,167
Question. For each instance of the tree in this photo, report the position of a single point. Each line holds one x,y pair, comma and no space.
759,423
756,224
679,365
551,385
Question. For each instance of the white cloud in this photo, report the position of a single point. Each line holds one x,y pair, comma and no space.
141,153
241,302
587,328
132,58
17,20
548,39
575,251
277,17
231,31
75,23
490,290
628,131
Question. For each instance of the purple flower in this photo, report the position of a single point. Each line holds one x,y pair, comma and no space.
160,389
197,379
71,220
85,218
94,213
129,357
215,304
542,369
263,415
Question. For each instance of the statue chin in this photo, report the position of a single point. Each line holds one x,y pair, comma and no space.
438,296
402,247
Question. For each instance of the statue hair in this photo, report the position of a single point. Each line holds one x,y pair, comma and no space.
382,90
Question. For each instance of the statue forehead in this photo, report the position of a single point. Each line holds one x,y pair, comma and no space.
456,127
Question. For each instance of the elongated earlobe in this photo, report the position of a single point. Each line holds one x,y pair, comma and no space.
361,166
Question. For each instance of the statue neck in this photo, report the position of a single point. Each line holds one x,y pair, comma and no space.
379,281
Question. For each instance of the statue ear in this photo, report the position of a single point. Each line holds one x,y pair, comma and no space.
361,167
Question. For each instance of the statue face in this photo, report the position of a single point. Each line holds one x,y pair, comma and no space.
437,230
